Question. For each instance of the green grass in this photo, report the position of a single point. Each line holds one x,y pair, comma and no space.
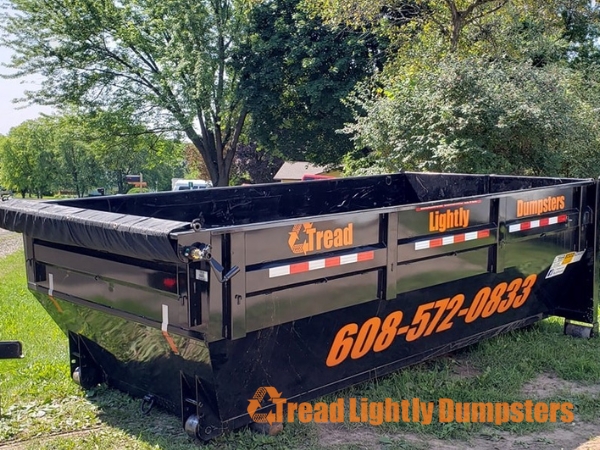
42,408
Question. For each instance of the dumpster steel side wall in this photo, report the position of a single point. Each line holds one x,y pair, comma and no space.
279,321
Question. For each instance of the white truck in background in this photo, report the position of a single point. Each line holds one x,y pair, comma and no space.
180,184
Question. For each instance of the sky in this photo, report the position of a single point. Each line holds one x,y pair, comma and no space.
14,114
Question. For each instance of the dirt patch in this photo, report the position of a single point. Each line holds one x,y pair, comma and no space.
465,370
576,436
20,445
9,243
548,385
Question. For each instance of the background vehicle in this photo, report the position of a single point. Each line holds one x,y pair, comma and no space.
186,185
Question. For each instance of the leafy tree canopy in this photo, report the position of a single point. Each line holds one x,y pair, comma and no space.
77,153
170,61
295,72
479,116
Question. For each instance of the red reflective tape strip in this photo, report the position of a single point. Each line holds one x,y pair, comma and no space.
317,264
453,239
332,262
483,234
366,256
298,268
436,242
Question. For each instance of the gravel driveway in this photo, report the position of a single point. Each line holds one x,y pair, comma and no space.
10,242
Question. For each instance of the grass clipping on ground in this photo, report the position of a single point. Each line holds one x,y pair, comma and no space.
42,408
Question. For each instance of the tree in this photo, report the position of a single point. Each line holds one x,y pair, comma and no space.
407,19
194,166
122,146
80,169
29,163
295,71
13,171
508,28
476,86
170,61
258,165
77,152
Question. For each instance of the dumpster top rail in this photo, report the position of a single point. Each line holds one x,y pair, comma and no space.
227,206
142,225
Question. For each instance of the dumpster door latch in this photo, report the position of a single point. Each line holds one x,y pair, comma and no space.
587,217
202,253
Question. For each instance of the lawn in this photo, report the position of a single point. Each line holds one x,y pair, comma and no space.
42,408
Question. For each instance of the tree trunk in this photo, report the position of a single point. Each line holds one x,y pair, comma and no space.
216,153
219,173
120,182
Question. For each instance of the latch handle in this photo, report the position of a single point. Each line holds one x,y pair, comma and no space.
202,253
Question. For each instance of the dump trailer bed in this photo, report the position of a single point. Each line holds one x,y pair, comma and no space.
195,300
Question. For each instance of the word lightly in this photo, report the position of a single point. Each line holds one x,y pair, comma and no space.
541,206
442,221
319,239
412,411
375,334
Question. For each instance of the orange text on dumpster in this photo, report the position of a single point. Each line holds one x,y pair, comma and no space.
378,334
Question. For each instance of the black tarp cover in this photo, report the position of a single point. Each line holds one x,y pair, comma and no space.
134,236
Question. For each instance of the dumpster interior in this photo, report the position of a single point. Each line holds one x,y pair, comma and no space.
279,201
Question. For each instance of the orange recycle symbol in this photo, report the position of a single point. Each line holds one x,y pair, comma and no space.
295,246
255,403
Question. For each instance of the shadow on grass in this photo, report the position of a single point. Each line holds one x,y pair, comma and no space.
162,429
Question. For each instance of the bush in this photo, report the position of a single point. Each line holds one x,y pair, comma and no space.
137,190
477,116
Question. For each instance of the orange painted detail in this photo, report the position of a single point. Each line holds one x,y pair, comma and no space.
56,305
540,206
449,219
378,334
306,238
171,342
255,404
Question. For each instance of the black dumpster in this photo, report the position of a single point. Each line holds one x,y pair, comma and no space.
201,300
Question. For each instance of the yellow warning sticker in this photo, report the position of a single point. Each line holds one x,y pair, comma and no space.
561,262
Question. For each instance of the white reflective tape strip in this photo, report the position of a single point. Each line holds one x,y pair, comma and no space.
50,284
349,259
422,245
533,224
280,271
448,240
317,264
470,236
320,264
165,317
